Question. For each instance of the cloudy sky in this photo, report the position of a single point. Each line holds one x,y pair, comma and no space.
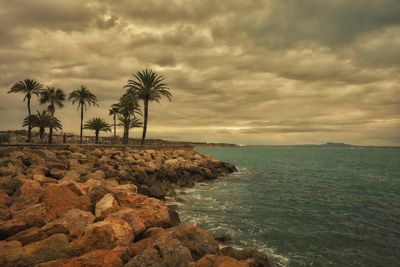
241,71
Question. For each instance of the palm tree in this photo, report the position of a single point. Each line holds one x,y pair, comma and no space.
28,87
42,120
128,123
128,107
148,86
97,124
83,97
113,111
55,97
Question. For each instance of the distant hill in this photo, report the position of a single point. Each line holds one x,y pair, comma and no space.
331,144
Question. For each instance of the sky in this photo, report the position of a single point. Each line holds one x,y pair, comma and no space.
244,72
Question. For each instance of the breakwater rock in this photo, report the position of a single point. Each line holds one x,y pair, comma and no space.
81,206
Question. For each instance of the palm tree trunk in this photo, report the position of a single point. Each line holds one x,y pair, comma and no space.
97,137
41,133
115,128
127,121
29,122
51,127
80,139
146,114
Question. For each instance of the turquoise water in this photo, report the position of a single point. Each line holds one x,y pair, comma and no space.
305,206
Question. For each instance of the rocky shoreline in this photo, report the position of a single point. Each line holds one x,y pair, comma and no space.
93,206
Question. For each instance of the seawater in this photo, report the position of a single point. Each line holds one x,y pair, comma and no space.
304,206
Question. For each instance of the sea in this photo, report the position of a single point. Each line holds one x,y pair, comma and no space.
304,206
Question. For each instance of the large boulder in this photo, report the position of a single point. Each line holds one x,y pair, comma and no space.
56,173
164,253
211,260
29,194
259,259
73,223
74,220
97,189
35,215
199,241
151,211
97,175
60,198
54,247
4,200
42,179
104,235
9,184
35,234
130,216
71,176
109,258
107,205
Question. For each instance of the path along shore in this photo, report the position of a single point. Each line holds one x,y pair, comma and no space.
75,205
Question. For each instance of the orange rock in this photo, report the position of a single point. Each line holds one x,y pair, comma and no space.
164,252
60,198
4,200
107,205
35,215
56,173
75,220
30,193
259,259
109,258
151,211
54,247
199,241
121,230
132,219
104,235
211,260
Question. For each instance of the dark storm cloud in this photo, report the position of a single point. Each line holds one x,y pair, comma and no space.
257,71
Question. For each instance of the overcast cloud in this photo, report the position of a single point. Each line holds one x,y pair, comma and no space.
251,72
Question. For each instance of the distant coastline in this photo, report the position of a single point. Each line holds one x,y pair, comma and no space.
327,145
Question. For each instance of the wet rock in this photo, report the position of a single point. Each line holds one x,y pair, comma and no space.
259,259
164,253
199,241
223,238
174,219
211,260
157,191
107,205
